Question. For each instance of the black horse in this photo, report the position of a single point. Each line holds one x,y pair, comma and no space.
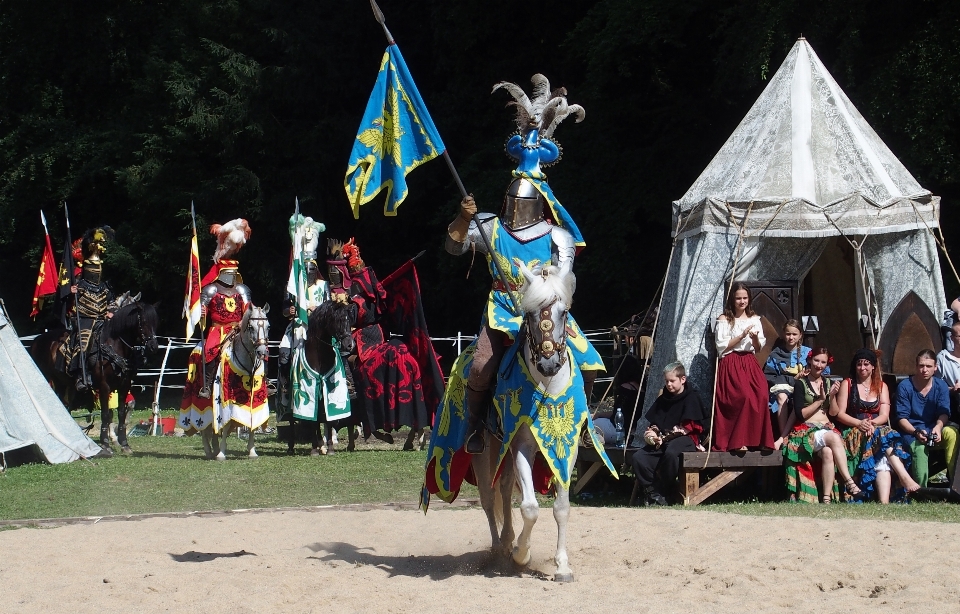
331,320
113,358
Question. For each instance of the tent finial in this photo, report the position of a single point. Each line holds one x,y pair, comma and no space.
801,37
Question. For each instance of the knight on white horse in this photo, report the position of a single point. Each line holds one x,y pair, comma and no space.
226,382
540,395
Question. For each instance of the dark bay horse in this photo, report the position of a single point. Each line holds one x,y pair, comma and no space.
331,320
113,358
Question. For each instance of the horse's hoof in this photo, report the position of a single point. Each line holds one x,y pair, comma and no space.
521,561
383,436
331,451
253,455
103,453
563,577
221,457
126,450
408,447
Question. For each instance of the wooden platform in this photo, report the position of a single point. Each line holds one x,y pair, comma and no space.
731,464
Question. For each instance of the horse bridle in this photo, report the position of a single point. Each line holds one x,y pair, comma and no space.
142,347
260,341
547,347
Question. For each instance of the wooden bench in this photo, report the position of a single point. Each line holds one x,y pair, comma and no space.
587,457
731,464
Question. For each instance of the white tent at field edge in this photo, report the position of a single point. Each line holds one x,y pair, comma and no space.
819,201
30,412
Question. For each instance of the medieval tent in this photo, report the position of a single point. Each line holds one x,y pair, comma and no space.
30,412
806,203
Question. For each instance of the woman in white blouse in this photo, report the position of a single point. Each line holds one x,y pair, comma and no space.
742,417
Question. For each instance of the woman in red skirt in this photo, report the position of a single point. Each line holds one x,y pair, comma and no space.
742,417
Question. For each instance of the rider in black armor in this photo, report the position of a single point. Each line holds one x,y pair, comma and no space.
92,298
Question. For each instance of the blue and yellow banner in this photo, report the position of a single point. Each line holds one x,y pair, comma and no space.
396,136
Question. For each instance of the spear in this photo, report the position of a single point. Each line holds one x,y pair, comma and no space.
76,309
378,15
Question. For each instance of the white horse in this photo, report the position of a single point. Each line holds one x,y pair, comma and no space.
547,296
248,351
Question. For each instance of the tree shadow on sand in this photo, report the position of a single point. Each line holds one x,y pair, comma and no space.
435,567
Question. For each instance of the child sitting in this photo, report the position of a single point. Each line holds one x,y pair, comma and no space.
676,425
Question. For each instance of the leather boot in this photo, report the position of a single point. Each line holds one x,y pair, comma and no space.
653,497
476,410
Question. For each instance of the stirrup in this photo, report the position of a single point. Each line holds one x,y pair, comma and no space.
204,392
471,444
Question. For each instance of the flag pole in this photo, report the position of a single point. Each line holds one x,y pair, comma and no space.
378,15
76,310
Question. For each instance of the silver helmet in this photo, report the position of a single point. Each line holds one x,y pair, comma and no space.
522,205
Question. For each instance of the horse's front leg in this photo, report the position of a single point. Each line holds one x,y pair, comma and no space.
224,436
483,470
122,417
351,436
504,499
561,513
408,443
251,444
525,452
210,442
106,414
329,432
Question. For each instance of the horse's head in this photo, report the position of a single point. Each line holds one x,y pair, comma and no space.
136,324
547,297
334,319
149,322
255,330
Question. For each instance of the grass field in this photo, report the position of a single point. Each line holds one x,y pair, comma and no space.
170,474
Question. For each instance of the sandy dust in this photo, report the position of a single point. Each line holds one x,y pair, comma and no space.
625,560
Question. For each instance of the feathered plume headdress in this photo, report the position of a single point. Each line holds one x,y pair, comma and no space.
545,110
310,236
230,237
96,236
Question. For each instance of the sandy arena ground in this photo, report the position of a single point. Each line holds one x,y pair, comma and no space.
625,560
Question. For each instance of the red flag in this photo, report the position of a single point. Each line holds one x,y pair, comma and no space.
47,277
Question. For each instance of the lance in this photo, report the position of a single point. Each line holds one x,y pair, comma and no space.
203,309
76,300
378,15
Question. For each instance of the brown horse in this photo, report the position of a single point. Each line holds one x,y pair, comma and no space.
113,358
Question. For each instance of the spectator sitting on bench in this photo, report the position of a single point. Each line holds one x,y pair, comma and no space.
875,451
923,410
815,436
948,369
676,425
787,361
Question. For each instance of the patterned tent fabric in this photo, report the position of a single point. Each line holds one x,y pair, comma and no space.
802,166
810,163
30,412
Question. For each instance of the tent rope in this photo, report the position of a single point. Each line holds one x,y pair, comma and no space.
653,336
939,240
716,363
873,309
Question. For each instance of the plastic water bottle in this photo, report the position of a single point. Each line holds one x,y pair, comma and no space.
618,426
